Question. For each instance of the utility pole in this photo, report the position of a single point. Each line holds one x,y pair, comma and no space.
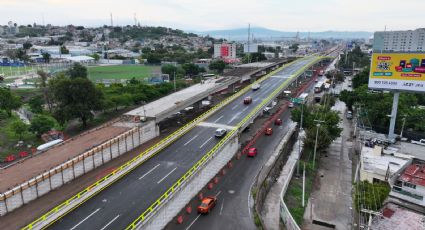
315,143
402,127
175,68
302,203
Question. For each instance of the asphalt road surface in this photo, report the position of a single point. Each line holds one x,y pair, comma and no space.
122,202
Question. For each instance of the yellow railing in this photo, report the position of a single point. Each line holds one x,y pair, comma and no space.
156,148
210,153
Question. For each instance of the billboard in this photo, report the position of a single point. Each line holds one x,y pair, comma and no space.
252,48
398,71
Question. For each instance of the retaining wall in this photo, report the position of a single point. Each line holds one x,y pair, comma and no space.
80,165
180,198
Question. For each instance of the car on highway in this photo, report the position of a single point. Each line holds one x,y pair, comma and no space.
247,100
252,152
269,131
220,132
255,86
207,204
278,121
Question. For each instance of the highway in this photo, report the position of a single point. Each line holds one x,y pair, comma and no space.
123,201
235,202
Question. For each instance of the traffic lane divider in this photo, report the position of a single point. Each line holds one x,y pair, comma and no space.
156,148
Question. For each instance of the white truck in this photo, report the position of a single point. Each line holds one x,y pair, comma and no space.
420,142
255,86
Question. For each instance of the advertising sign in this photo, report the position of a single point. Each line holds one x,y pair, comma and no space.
398,71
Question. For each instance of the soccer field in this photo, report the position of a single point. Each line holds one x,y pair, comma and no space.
121,72
13,71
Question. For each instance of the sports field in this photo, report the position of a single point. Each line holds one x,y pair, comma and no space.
121,72
13,71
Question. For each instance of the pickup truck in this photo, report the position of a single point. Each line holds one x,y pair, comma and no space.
420,142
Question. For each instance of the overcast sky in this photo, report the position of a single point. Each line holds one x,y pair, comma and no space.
201,15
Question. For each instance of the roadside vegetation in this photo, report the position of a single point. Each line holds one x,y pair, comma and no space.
64,99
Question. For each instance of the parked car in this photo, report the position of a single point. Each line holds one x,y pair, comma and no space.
349,115
247,100
291,105
269,131
278,121
207,204
220,132
252,152
420,142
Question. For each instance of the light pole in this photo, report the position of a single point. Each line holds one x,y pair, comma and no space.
315,143
175,69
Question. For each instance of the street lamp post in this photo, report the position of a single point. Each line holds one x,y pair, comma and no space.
315,143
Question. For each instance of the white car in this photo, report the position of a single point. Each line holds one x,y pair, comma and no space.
420,142
291,105
220,132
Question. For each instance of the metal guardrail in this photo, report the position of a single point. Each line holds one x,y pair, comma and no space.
80,198
196,167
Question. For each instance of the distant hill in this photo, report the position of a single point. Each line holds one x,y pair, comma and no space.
268,34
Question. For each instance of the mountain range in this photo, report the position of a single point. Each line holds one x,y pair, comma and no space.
268,34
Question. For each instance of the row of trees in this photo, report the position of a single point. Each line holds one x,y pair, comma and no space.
328,129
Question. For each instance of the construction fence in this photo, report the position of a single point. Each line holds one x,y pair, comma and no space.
80,165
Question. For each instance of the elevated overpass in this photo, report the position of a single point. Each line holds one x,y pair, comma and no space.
134,197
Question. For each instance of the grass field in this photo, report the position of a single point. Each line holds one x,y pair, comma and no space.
121,72
13,71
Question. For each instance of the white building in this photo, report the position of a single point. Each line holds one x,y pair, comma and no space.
399,41
225,50
377,164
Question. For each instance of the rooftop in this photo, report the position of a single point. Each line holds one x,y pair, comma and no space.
398,218
414,174
374,161
171,101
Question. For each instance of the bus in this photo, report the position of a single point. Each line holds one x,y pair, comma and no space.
208,75
319,87
303,97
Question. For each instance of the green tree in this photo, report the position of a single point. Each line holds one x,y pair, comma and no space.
370,195
42,123
294,47
9,101
19,128
153,58
217,65
191,69
27,45
43,85
36,104
77,70
361,78
254,57
169,69
328,130
95,56
64,50
75,98
46,57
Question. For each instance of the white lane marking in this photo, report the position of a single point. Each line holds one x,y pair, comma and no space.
149,172
249,198
219,118
110,222
205,142
193,138
234,117
219,192
193,222
85,219
166,175
234,107
245,109
221,208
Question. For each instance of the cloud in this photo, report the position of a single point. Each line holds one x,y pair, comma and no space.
300,15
